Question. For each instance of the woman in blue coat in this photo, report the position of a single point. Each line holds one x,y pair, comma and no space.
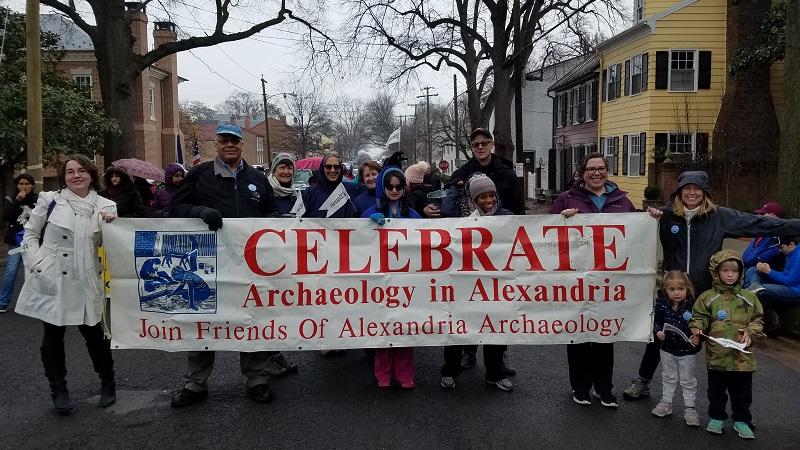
329,177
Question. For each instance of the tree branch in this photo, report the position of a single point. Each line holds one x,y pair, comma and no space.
73,14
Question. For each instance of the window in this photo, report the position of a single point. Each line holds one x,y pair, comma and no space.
559,110
683,70
634,154
638,10
260,150
637,78
563,117
681,143
84,83
613,82
576,106
578,152
610,152
589,101
151,101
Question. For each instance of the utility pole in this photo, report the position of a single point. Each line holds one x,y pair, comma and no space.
415,130
402,118
266,119
519,70
427,97
33,76
457,137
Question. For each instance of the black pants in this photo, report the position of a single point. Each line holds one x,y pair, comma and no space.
590,364
739,386
53,352
492,359
650,360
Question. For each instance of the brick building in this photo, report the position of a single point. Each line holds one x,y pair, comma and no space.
156,125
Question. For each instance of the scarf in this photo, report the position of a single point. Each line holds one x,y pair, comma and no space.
278,188
86,212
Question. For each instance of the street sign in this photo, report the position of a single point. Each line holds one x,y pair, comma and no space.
443,165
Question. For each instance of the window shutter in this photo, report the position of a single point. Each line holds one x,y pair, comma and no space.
555,111
625,154
603,76
701,146
662,70
704,77
618,85
595,100
628,77
602,145
563,117
644,71
642,153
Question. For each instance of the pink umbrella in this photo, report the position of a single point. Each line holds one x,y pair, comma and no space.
141,169
312,163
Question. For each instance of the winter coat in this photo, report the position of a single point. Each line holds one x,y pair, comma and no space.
419,195
285,204
580,198
315,196
721,312
129,202
764,249
52,291
12,209
688,246
502,173
673,343
790,275
210,185
162,201
381,203
365,201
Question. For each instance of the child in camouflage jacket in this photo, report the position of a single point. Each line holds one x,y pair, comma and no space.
730,312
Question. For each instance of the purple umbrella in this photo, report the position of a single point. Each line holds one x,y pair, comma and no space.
141,169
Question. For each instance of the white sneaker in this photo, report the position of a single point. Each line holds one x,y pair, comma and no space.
448,383
504,385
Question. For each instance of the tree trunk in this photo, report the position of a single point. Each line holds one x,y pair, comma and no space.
503,140
789,165
747,127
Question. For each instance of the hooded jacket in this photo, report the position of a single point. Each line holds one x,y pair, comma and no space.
163,198
688,246
315,196
502,173
129,202
382,203
722,311
580,198
673,343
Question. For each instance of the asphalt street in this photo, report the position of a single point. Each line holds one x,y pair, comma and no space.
334,403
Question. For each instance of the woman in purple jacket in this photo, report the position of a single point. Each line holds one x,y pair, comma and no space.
592,363
173,177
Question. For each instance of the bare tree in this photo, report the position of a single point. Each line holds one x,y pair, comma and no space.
350,127
381,121
473,37
311,118
119,64
197,110
241,104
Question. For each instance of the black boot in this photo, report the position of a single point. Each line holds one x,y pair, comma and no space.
60,396
108,393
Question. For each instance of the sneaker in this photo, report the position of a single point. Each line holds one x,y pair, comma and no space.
384,384
504,385
261,393
663,409
448,383
638,388
607,399
407,385
3,308
581,398
756,288
715,426
186,397
691,417
744,430
468,360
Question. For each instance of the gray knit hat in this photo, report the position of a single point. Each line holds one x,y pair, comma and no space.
362,158
479,184
281,158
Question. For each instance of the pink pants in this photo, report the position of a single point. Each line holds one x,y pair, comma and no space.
394,361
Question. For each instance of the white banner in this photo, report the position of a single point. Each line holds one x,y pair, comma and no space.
287,284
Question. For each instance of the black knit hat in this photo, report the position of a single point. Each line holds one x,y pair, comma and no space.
696,177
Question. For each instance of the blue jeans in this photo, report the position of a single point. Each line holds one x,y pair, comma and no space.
773,294
10,278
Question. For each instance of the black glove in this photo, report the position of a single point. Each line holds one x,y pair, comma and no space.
212,217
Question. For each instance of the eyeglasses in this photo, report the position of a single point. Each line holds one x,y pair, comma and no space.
591,170
229,140
395,187
332,167
481,144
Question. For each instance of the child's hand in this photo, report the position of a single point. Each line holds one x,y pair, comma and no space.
745,339
661,335
695,340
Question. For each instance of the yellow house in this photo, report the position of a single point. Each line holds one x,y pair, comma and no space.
662,85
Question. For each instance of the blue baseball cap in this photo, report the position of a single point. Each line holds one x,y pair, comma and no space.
229,128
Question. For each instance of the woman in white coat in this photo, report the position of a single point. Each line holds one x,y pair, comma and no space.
63,281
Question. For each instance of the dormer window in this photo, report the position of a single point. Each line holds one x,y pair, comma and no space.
638,10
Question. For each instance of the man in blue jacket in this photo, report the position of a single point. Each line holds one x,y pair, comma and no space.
213,190
778,288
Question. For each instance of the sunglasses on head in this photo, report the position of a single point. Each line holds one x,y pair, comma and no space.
332,167
228,139
395,187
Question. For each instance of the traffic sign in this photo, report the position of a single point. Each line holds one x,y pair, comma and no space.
443,165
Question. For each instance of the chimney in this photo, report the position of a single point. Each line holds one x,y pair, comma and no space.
138,18
164,32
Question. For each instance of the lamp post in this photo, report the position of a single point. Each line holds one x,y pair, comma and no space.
266,114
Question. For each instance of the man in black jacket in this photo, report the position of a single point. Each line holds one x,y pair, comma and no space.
500,170
222,188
